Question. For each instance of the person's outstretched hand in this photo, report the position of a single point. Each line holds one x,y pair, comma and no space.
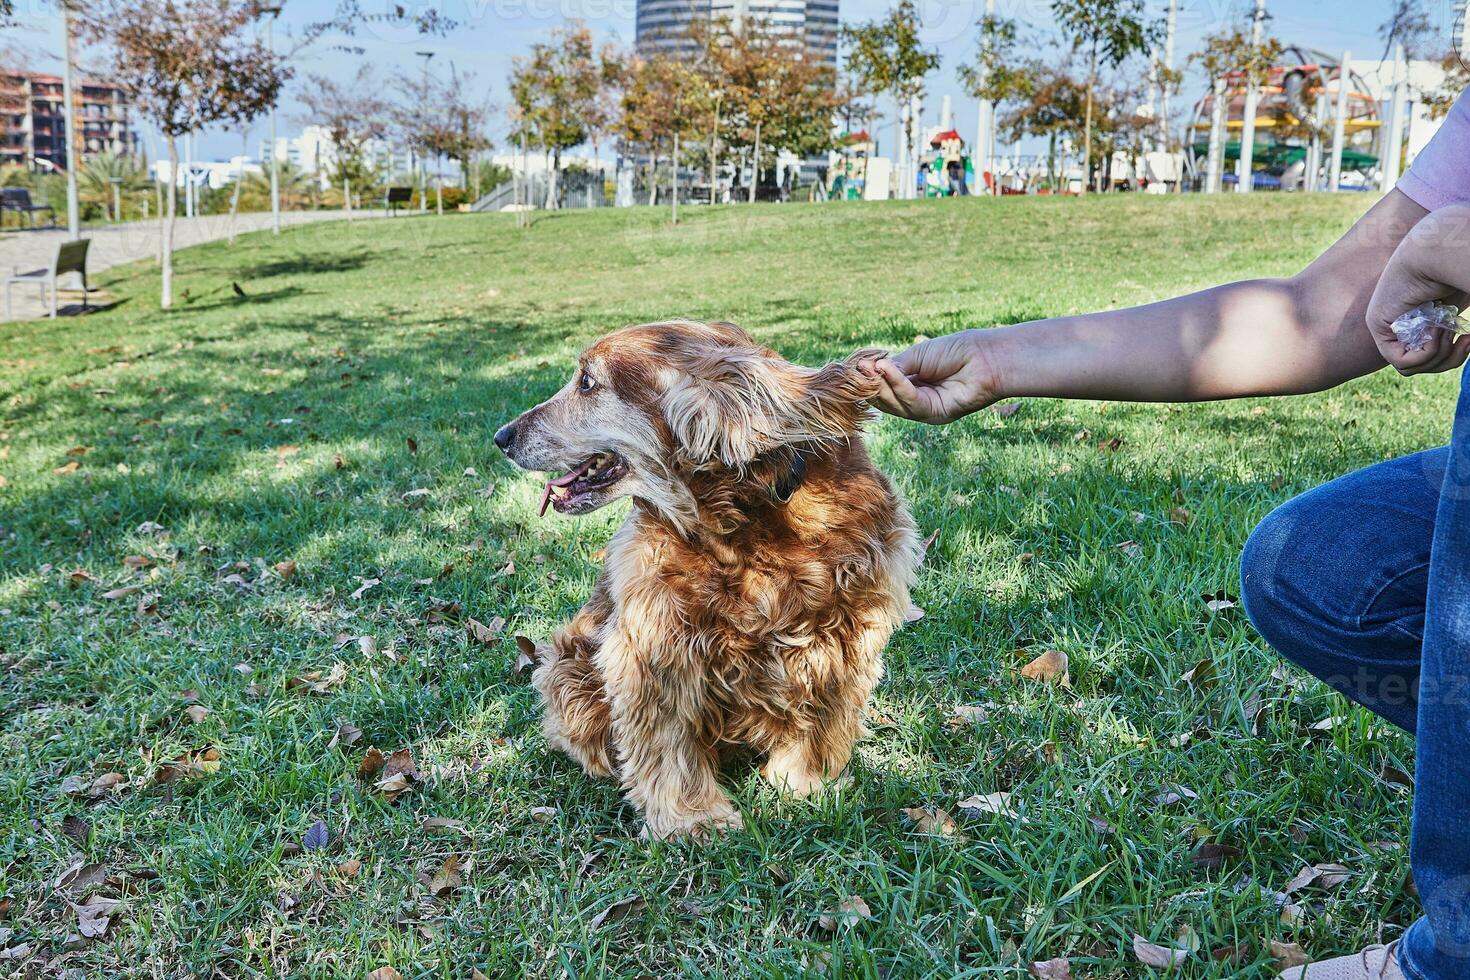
1431,264
936,381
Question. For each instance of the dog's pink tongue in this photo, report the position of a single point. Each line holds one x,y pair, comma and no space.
564,480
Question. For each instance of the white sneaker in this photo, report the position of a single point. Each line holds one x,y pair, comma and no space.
1373,963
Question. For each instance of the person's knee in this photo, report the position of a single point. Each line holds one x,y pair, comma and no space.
1277,577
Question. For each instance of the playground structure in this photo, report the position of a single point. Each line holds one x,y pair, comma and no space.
1296,116
948,172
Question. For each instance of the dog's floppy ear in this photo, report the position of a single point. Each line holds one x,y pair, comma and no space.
733,403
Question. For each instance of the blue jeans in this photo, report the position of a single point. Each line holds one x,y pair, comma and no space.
1365,582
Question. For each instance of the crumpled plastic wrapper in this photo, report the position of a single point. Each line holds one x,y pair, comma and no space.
1413,328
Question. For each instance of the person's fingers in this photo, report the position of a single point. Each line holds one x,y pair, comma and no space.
905,396
1459,353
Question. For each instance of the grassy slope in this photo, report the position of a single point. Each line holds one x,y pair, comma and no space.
357,339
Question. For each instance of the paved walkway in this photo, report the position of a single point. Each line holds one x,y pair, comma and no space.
118,244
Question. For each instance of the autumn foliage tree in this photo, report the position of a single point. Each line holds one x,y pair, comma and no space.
888,56
353,116
556,89
1109,32
186,65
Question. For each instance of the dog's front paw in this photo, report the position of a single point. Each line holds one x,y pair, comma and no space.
695,826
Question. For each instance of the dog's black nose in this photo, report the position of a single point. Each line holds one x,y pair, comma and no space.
504,436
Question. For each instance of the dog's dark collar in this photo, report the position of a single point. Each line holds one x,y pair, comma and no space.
790,481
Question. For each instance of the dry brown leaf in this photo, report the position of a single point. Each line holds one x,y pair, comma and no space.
447,879
1161,957
285,569
197,713
1287,955
77,828
932,820
137,562
1210,855
94,915
1050,667
914,614
543,814
80,876
617,910
189,765
1180,516
1201,675
850,911
315,683
399,775
67,468
367,583
346,735
997,803
444,825
927,544
93,788
372,763
385,973
1057,969
123,592
967,714
1395,776
485,633
349,868
528,657
1130,548
1174,794
1218,601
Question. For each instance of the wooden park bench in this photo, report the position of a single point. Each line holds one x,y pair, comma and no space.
18,199
70,257
396,196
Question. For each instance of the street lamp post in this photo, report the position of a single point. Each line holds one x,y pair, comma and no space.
73,156
423,160
270,42
116,183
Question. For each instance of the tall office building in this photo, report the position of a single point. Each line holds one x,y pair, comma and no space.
661,25
32,120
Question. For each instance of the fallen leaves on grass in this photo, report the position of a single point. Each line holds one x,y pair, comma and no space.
932,820
1395,776
997,803
189,765
1174,794
1050,667
80,876
447,879
346,735
1160,957
94,788
316,836
1201,675
967,714
444,825
1218,601
617,910
385,973
315,683
1180,516
485,633
137,562
66,469
76,828
197,713
529,656
914,614
1057,969
1287,955
285,569
123,592
543,814
394,774
94,915
1326,876
850,911
367,584
927,544
1210,856
1130,548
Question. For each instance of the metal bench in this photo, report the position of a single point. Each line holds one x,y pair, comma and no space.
396,196
18,199
70,257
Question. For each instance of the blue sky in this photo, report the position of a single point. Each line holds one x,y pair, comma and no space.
491,32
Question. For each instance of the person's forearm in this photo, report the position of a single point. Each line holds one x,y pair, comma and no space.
1262,337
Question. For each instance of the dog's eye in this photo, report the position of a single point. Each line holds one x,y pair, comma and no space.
585,382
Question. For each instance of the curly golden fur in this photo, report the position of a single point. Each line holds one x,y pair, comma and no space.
747,598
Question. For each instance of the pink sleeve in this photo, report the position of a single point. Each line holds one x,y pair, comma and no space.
1440,174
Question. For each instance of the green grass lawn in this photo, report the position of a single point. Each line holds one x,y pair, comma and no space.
159,468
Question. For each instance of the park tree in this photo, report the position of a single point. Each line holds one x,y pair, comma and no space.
1110,32
997,76
556,89
664,100
353,116
439,120
778,97
1050,109
185,65
465,119
888,56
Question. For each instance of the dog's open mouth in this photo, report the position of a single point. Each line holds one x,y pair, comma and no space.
584,486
